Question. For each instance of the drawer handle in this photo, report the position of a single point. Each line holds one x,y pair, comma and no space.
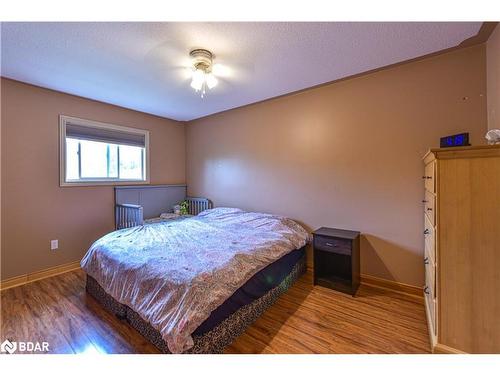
429,208
426,231
427,177
426,260
331,244
426,290
424,201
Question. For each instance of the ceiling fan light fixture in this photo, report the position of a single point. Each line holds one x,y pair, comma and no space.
211,81
202,77
198,79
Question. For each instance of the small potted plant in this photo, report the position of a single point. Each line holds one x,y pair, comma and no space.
184,208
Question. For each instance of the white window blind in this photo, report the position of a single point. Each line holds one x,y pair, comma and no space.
119,137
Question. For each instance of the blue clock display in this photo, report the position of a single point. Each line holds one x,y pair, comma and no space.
455,140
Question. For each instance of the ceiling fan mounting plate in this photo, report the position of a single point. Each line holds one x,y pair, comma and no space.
202,59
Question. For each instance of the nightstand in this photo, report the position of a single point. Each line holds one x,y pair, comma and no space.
336,259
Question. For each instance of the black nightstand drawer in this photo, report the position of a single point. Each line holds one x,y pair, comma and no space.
333,245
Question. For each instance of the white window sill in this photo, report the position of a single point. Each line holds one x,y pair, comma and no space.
103,183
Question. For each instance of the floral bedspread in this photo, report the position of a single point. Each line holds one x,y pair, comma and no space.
175,273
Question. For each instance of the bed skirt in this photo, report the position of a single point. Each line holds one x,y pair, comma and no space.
213,341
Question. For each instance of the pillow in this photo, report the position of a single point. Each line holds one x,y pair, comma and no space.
220,211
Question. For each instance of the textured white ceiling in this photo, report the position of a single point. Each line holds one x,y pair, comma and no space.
143,66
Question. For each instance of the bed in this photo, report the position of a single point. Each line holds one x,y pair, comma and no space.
194,285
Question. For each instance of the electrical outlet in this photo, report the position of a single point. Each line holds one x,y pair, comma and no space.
54,244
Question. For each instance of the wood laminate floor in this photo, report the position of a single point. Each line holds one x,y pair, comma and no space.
307,319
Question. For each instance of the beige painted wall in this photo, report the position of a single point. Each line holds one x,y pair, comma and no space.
34,208
493,78
345,155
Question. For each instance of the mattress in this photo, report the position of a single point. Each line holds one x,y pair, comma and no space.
186,275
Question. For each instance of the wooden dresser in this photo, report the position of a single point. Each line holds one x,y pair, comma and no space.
462,248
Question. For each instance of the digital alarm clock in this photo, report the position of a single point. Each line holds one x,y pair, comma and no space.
456,140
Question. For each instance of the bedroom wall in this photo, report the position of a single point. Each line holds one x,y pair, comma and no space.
345,155
493,78
34,208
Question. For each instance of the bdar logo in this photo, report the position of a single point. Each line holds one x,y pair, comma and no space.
8,346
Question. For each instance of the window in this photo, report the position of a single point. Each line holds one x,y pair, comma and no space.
95,153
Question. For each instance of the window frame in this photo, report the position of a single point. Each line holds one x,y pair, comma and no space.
64,120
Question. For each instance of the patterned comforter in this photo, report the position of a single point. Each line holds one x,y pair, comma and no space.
174,274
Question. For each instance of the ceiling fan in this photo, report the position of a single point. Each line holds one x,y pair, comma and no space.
198,66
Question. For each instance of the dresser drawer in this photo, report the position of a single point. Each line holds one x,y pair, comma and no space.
430,277
430,254
429,239
429,177
333,245
429,206
430,305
